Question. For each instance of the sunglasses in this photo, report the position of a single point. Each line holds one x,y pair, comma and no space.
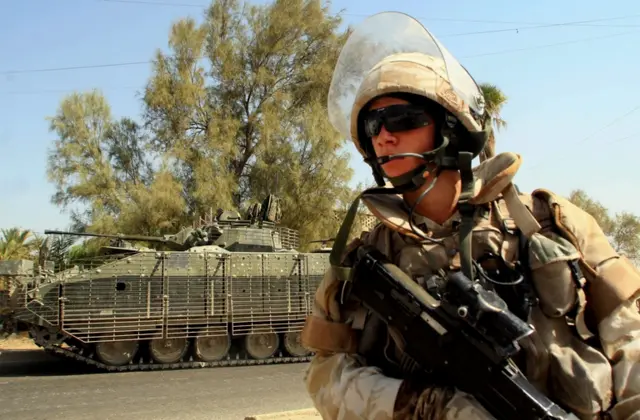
395,118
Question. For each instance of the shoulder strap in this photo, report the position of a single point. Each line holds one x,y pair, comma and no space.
342,272
518,211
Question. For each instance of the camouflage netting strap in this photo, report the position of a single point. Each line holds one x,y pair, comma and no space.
272,210
467,211
339,245
254,212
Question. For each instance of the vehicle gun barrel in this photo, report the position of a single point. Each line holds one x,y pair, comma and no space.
110,235
168,240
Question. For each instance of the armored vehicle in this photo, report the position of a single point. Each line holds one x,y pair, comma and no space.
323,246
234,291
16,276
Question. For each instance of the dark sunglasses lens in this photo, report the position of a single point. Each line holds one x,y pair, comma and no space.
407,121
372,125
395,118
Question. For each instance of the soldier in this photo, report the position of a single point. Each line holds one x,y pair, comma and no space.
415,114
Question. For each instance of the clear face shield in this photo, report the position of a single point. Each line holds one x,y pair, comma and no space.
378,37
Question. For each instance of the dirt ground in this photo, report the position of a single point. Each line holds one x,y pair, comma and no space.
285,416
17,342
305,414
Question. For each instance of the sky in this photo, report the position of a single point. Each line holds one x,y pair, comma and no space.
570,74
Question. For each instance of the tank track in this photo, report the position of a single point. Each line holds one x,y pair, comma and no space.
191,364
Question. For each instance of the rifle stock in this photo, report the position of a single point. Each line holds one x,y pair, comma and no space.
466,339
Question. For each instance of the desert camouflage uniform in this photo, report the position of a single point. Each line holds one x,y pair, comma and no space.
576,315
576,375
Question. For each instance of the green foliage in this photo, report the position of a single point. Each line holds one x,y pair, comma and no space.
622,229
494,99
599,212
17,244
106,166
235,111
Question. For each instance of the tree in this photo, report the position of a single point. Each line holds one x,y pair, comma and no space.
495,99
250,119
105,166
626,235
235,111
17,244
623,229
595,209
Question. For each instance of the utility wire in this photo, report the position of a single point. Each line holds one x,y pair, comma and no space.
132,63
593,133
45,91
155,3
620,139
536,25
555,44
92,66
433,19
540,26
552,25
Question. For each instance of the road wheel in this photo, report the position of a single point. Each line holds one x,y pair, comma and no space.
117,353
169,350
261,346
210,349
293,344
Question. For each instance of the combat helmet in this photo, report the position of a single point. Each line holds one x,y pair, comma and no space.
391,53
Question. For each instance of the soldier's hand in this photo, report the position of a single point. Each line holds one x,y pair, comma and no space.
418,400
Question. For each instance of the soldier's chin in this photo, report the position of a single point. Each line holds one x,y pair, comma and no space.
398,167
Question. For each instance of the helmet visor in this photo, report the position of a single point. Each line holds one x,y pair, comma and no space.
377,37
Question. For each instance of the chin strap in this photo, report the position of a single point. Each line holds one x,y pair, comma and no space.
467,213
415,178
439,158
466,209
341,272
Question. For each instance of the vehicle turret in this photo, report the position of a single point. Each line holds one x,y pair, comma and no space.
257,232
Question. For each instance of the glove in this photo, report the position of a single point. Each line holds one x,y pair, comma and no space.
417,401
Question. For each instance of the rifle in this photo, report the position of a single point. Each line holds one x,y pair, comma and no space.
467,338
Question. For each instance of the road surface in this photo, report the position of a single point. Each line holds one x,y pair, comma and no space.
37,386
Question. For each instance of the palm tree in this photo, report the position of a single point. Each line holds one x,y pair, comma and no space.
17,244
494,99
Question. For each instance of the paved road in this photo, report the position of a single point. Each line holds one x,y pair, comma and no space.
36,386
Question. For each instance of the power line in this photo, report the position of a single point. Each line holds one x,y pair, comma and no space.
552,25
45,91
536,25
120,64
593,133
617,140
634,109
132,63
90,66
154,3
555,44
